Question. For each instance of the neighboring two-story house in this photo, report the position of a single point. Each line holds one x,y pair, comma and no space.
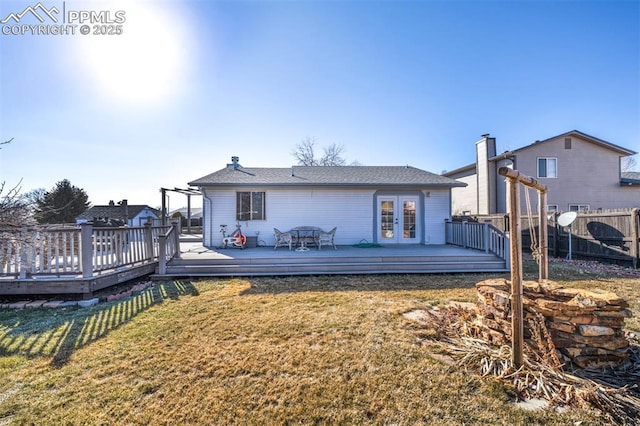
580,171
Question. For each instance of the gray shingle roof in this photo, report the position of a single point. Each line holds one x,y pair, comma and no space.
630,178
326,175
114,212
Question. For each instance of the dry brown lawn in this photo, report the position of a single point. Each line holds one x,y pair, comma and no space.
300,350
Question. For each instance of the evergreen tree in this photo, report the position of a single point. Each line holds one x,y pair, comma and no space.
62,204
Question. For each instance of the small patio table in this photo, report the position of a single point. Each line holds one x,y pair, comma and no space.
305,235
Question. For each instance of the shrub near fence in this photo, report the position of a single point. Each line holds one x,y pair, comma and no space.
609,235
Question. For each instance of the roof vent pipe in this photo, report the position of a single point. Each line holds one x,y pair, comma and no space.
234,163
292,172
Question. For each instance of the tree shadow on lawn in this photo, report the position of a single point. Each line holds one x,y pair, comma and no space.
58,332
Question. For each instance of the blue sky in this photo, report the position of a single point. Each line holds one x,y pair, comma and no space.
189,84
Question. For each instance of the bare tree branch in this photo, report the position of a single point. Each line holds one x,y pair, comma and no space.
333,156
305,155
5,142
630,164
304,152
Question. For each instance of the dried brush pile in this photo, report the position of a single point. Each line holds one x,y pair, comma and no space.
613,391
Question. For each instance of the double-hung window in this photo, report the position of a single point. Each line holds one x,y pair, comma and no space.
547,167
250,206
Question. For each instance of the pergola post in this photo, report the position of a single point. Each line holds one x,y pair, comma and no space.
515,238
514,178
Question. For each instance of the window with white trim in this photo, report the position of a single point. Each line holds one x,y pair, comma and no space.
552,208
250,206
547,167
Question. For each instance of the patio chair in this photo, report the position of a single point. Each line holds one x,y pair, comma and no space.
327,238
282,239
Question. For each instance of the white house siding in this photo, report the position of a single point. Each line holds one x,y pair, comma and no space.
465,198
436,206
501,186
350,210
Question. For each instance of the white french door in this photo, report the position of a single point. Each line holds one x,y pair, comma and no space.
398,219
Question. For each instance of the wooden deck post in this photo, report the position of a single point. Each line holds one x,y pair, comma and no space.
465,226
22,273
176,234
447,231
162,254
148,239
515,236
486,235
86,250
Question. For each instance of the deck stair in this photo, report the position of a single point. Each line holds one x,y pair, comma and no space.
345,260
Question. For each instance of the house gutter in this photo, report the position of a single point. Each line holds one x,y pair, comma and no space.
333,185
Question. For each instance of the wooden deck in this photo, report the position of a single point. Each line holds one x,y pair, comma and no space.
72,285
77,261
198,261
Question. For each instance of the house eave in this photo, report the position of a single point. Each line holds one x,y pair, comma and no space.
596,141
463,169
329,185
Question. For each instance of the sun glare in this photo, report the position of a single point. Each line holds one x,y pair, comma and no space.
144,64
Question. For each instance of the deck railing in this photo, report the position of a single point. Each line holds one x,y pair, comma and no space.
478,236
169,247
82,250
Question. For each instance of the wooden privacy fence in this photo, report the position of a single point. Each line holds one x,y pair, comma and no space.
84,251
609,235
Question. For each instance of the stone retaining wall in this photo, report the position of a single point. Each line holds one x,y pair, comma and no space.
586,326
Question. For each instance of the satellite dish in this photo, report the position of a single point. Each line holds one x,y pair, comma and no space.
566,219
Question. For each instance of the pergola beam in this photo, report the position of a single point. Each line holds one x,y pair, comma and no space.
184,191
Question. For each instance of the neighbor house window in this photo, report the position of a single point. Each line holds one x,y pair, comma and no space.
547,167
552,208
250,206
578,207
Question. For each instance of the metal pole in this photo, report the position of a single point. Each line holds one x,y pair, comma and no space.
515,234
189,214
164,206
